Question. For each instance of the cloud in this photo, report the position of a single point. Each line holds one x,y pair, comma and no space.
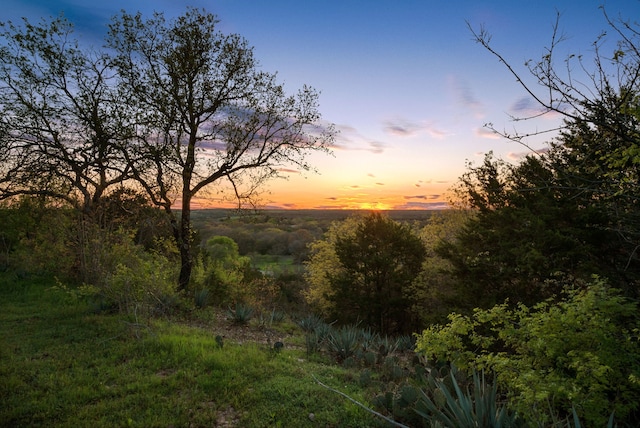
404,128
422,206
467,98
423,197
289,170
401,128
525,106
376,147
487,133
520,155
379,184
349,138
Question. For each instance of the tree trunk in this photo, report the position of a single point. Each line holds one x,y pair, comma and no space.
186,258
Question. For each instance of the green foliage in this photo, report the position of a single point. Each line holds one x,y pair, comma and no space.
39,237
344,342
433,294
448,404
581,352
140,283
221,270
362,271
201,298
529,226
240,314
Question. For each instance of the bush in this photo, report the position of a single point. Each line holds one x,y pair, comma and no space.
579,353
144,283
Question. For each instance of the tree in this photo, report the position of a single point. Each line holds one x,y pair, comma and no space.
570,209
529,227
433,294
206,116
365,272
62,133
597,154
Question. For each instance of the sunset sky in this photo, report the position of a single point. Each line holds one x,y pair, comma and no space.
403,81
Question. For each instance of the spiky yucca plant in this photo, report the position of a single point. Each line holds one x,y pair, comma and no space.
463,408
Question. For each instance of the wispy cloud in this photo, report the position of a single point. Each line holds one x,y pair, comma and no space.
349,138
400,127
466,97
289,170
422,206
423,197
524,106
516,156
487,133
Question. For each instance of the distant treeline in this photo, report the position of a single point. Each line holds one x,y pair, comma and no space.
282,232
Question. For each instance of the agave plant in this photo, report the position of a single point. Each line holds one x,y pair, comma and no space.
310,323
201,298
241,314
463,408
344,342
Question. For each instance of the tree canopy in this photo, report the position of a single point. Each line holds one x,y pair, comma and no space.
175,108
570,209
363,269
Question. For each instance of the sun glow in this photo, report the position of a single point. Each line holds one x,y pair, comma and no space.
375,206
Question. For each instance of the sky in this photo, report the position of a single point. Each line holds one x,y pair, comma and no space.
404,82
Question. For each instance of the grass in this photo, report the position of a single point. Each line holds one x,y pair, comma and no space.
274,264
63,366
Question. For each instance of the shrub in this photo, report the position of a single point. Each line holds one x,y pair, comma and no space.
145,282
579,353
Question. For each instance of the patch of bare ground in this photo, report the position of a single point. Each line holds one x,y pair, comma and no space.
227,418
252,332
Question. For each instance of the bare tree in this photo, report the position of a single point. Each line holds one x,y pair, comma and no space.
580,92
61,133
207,118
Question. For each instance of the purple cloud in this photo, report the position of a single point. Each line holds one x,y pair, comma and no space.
467,98
487,133
401,128
348,138
423,206
404,128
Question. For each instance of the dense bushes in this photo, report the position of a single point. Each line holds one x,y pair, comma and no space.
580,353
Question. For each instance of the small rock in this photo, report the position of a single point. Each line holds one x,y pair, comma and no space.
312,417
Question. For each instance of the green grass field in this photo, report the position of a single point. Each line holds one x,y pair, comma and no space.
63,366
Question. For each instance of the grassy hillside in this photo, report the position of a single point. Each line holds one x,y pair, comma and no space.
61,365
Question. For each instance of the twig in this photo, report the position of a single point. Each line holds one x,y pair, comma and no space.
391,421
